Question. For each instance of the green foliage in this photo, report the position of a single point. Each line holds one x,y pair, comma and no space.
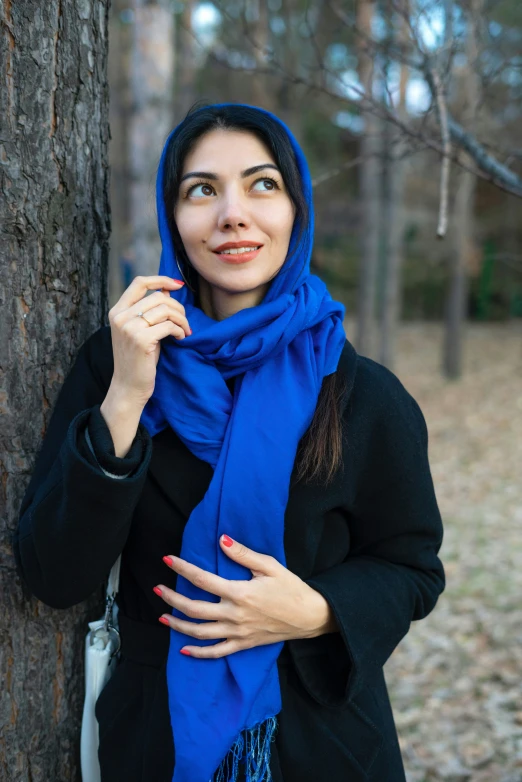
424,285
507,13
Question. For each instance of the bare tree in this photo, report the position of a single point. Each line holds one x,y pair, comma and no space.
120,108
394,212
186,64
152,73
420,133
463,225
258,15
370,193
54,214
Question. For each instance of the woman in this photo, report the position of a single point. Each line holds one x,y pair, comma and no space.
268,488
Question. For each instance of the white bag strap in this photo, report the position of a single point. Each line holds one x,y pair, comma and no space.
113,582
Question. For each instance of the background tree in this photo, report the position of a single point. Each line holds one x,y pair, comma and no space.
54,214
463,233
152,64
370,183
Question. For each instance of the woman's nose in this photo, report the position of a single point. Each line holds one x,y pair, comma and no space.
233,214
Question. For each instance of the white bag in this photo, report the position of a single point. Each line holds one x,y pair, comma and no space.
102,644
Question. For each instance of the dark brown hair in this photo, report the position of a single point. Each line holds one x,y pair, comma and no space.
320,451
319,454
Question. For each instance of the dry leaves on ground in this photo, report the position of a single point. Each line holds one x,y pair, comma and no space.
455,680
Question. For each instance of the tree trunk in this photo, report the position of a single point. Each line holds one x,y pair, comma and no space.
186,64
457,297
288,97
258,21
120,36
394,219
55,220
152,73
370,196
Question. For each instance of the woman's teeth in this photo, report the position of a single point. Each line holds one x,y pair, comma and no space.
238,250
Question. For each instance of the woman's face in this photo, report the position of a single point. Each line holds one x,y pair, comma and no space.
225,204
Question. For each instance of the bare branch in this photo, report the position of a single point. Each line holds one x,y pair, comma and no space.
486,166
333,172
446,142
499,173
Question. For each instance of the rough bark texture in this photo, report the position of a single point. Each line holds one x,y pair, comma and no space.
54,217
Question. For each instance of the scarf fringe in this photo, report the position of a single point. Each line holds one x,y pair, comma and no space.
253,748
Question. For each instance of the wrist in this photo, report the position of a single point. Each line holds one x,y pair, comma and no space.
118,404
322,617
122,416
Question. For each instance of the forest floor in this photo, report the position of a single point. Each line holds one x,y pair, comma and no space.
455,680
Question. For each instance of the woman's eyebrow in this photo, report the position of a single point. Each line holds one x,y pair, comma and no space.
245,173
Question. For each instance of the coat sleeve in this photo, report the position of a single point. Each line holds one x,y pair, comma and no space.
101,451
74,517
392,574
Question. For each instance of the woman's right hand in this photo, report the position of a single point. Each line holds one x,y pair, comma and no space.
135,344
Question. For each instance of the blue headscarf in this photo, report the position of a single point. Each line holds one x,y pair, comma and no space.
224,710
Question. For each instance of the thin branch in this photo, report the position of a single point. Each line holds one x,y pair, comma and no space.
333,172
486,162
446,144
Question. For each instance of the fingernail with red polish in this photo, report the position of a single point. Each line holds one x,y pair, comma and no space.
227,541
184,651
164,620
180,281
168,561
158,591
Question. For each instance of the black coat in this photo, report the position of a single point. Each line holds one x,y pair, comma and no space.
368,543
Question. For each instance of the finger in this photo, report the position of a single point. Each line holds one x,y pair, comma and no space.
140,285
153,300
209,582
196,609
203,631
214,651
151,335
148,337
162,313
174,303
253,560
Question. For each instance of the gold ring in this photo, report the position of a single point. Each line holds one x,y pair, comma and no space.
141,315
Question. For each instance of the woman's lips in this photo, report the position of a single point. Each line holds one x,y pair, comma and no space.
239,257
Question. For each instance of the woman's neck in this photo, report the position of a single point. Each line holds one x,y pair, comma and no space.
219,304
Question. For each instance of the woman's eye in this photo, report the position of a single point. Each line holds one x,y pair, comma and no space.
273,183
191,190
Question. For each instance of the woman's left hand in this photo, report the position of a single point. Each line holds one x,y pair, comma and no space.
274,605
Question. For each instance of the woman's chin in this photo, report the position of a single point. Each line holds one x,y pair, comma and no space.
239,283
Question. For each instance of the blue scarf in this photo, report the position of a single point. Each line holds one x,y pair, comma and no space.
223,711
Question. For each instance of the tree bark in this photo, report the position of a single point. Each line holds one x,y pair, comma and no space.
394,219
152,73
370,196
55,219
262,93
186,64
458,285
120,36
